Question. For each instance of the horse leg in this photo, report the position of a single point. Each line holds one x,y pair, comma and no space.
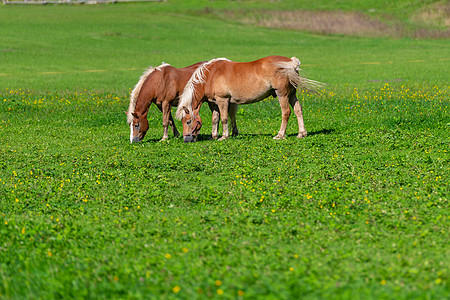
215,120
172,124
232,109
222,103
285,113
165,109
299,113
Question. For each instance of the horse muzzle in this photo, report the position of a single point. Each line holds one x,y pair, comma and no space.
135,139
189,138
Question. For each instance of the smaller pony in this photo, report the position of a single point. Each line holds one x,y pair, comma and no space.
161,85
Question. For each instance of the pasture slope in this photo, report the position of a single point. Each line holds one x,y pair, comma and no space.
357,210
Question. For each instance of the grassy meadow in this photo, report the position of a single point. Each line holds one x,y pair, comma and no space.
357,210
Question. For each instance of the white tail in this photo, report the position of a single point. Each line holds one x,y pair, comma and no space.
186,97
291,68
135,93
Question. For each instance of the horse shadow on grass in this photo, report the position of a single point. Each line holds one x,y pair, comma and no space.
200,138
313,133
150,141
318,132
207,137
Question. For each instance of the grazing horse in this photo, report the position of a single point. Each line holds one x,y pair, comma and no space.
224,83
161,85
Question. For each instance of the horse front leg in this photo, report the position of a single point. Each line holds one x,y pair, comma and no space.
215,120
222,103
232,110
285,113
299,113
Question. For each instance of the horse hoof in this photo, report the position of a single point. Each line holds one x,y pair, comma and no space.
302,135
278,137
223,138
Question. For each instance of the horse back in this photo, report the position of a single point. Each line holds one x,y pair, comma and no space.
166,84
176,78
245,82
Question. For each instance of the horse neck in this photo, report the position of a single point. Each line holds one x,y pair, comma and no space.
144,99
199,96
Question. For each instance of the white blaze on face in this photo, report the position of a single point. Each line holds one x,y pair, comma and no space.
131,132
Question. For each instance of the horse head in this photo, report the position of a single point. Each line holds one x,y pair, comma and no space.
192,123
138,127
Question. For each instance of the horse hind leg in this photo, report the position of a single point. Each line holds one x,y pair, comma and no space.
232,110
299,113
172,125
285,113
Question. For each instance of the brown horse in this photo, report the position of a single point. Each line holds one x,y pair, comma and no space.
161,85
224,83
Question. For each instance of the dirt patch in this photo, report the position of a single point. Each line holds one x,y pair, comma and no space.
325,22
332,22
437,14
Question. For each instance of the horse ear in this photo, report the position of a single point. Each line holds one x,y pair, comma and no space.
135,115
186,110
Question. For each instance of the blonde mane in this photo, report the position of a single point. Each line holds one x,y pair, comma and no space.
198,77
135,93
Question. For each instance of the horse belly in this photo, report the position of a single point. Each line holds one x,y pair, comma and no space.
251,93
240,87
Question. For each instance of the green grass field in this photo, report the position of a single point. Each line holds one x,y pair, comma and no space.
357,210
